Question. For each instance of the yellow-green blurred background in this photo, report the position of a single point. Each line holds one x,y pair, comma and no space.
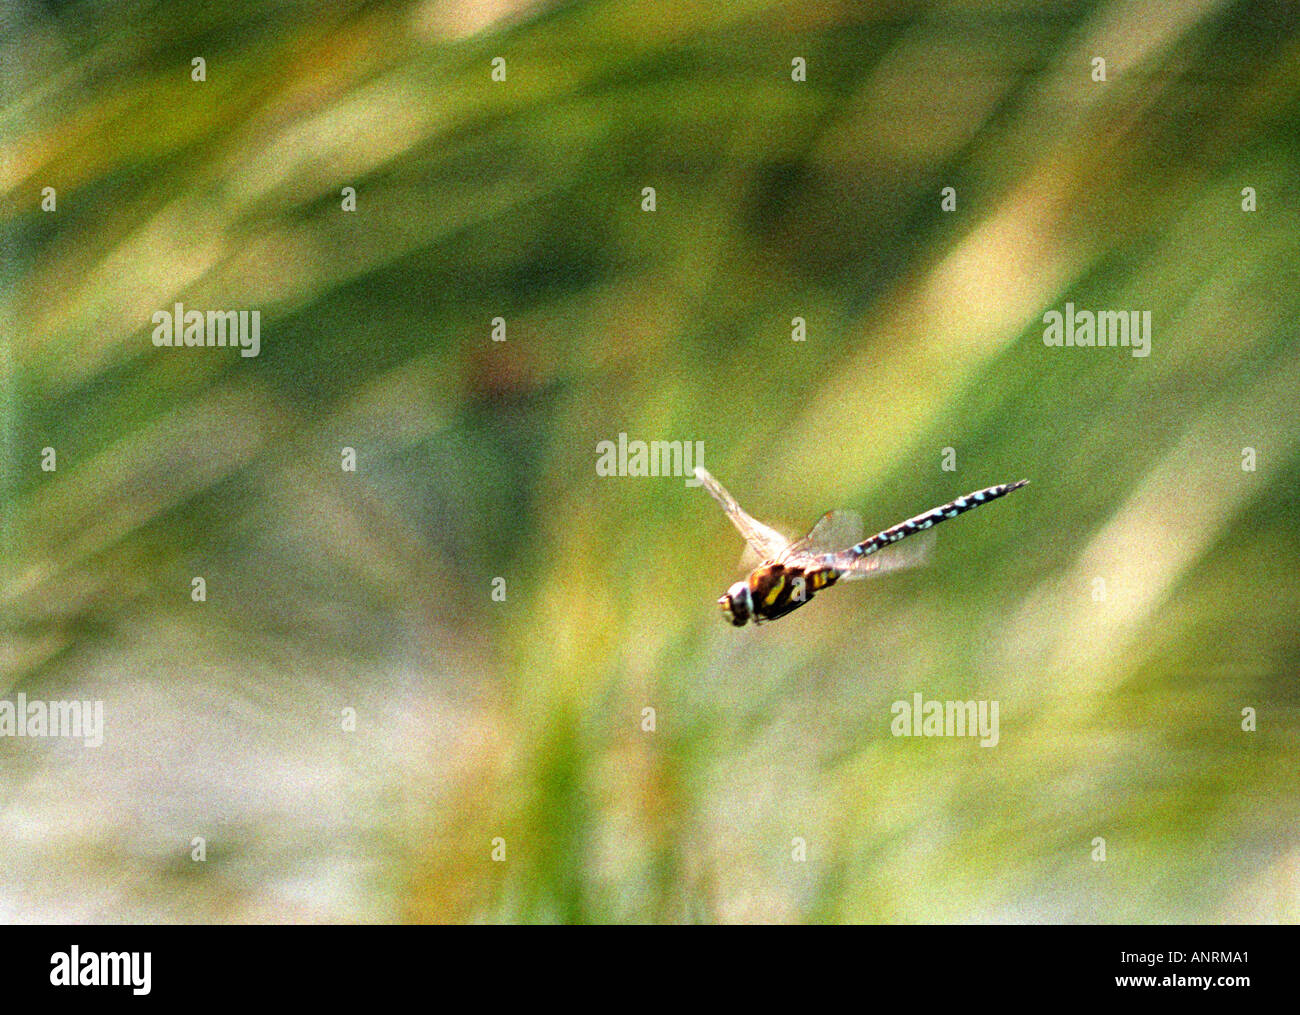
522,720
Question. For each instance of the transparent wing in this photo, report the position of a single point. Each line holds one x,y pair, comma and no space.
766,541
915,551
834,531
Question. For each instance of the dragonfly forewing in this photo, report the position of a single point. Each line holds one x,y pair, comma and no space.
766,541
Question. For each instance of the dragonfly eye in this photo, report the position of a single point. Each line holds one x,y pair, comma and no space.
735,604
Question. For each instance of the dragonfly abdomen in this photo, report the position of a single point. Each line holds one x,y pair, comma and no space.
933,517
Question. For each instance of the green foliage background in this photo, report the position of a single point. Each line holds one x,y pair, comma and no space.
1120,719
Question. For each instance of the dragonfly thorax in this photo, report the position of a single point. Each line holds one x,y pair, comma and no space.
737,604
772,590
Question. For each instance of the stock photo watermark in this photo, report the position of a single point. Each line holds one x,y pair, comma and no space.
921,718
213,329
75,968
76,720
655,458
1127,329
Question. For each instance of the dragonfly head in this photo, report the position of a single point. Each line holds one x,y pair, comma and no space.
737,605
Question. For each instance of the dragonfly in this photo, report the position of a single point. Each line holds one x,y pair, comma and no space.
791,571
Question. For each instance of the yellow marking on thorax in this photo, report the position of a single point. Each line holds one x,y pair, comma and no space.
776,591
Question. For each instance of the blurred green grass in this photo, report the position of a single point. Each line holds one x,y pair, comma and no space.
522,719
